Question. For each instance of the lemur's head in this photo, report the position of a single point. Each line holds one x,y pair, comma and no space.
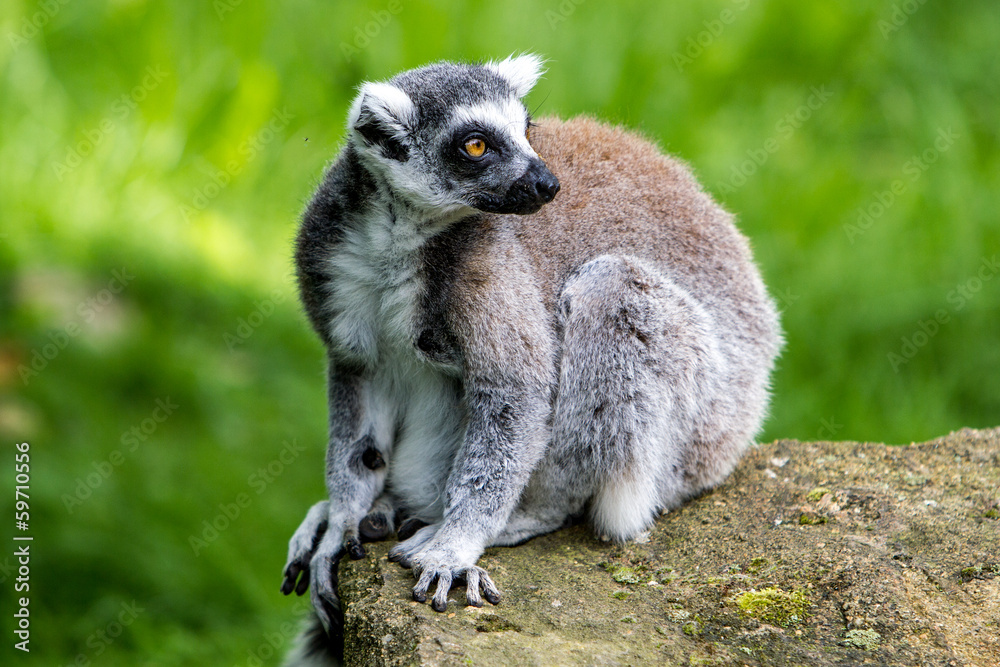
449,137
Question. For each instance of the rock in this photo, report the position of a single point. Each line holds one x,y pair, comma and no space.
896,563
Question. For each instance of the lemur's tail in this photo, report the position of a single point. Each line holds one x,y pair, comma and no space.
314,647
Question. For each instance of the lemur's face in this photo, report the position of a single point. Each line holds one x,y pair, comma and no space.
448,138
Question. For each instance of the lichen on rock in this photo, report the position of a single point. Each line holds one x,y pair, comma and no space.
866,639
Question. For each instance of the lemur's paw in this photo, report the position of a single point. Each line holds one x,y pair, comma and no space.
478,584
302,547
433,562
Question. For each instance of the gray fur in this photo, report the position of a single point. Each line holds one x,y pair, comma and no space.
495,375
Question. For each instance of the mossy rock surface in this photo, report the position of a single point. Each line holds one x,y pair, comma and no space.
898,574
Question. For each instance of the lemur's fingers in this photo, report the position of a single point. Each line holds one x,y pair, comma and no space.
472,596
425,581
302,546
490,590
291,574
401,557
303,582
440,600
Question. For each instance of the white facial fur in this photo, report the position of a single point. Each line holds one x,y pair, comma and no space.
521,72
506,117
388,103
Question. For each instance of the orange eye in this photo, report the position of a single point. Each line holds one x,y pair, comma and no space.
475,147
527,133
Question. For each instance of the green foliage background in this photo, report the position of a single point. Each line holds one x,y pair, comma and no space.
92,182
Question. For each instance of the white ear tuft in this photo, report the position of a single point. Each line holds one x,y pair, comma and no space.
391,108
521,72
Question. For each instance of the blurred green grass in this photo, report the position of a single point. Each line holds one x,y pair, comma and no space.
178,142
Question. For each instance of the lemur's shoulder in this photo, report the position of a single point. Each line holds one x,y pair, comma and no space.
485,286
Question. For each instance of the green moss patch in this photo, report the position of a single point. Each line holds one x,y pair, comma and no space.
624,574
774,606
817,494
982,571
812,519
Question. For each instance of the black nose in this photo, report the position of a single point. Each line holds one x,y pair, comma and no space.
534,189
546,186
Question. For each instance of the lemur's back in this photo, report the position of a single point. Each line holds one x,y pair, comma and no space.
621,195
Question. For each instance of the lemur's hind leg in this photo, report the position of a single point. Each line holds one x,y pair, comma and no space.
639,357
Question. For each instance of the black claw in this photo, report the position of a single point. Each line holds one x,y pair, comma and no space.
494,598
438,607
291,573
409,527
303,583
354,549
420,597
477,603
374,527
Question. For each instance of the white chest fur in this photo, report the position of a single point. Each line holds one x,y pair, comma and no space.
375,287
412,406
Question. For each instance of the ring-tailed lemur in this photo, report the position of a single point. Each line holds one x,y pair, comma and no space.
501,359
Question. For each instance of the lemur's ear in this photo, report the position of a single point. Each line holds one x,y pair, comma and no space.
521,72
383,117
